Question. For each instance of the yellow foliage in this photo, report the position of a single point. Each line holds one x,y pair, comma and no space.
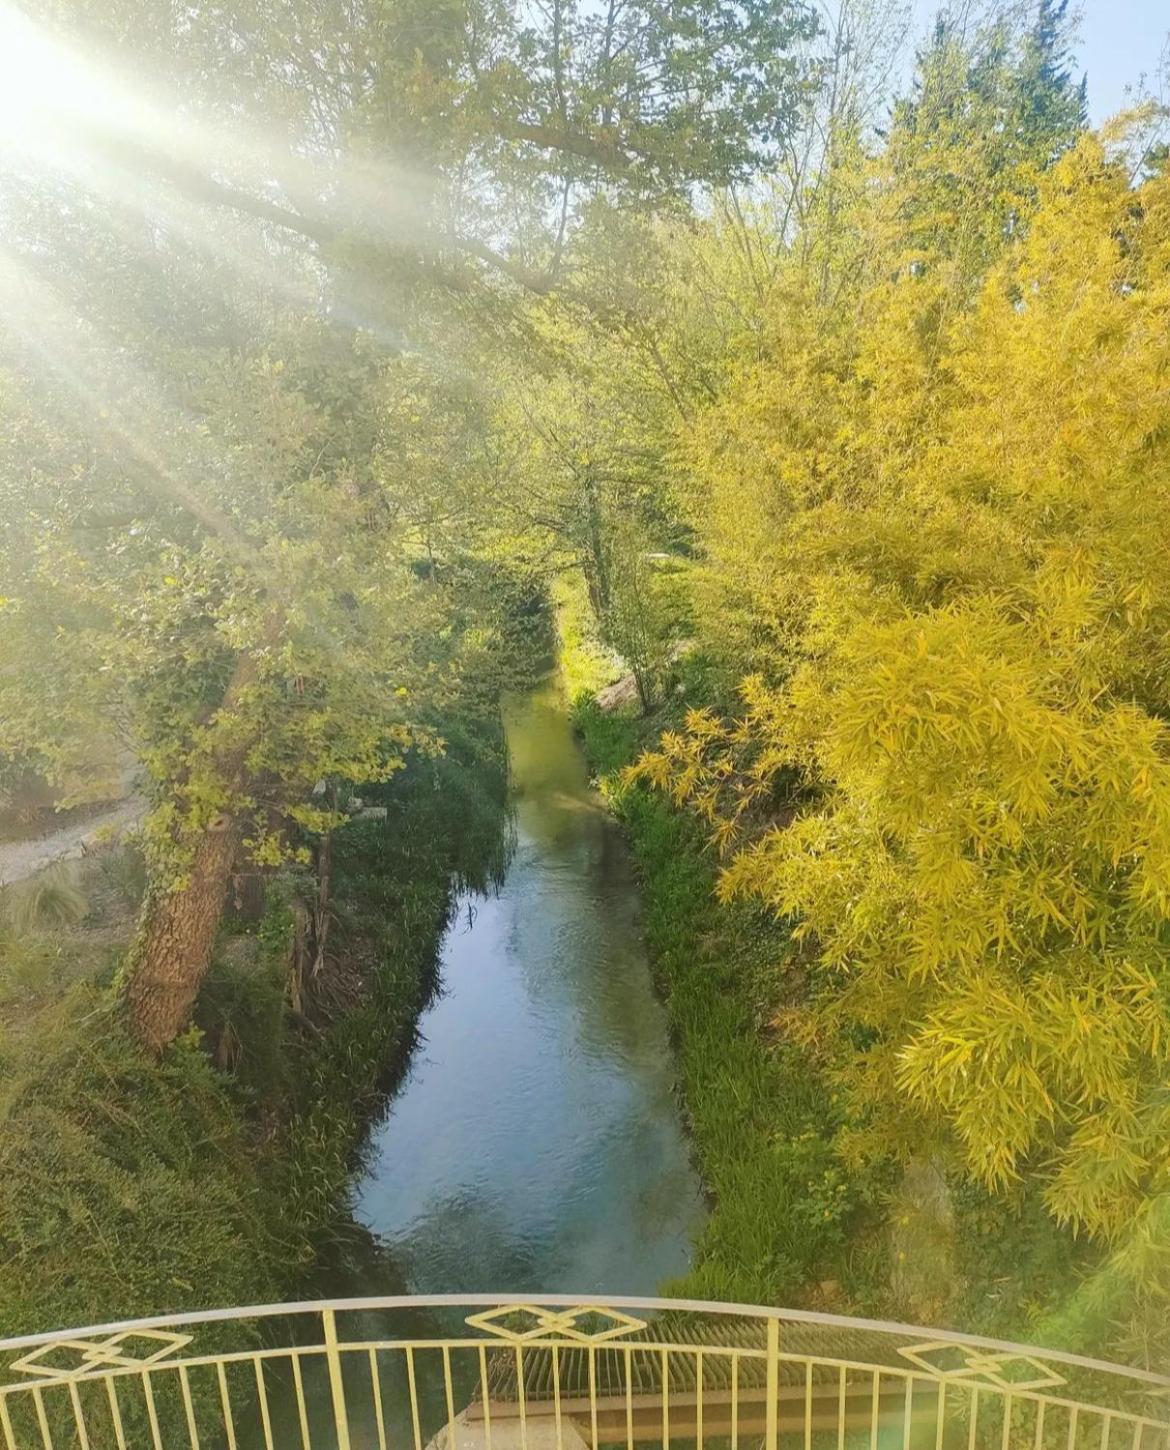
940,520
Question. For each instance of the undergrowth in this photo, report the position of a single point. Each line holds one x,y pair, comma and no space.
131,1187
784,1220
789,1224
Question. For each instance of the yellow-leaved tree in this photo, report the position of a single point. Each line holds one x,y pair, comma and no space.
964,589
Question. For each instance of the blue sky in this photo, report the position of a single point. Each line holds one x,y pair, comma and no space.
1120,40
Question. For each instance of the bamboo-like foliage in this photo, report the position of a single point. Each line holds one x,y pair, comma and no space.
961,580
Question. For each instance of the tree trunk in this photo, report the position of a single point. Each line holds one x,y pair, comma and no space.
596,563
179,926
177,938
321,911
643,684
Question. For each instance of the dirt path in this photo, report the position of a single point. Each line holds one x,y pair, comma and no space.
20,859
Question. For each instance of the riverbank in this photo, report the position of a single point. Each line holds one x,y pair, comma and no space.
794,1219
785,1227
129,1186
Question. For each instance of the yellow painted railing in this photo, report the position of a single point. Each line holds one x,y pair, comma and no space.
508,1374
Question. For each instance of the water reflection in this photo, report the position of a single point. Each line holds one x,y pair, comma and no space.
537,1142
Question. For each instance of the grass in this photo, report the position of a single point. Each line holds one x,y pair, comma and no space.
587,664
63,927
785,1225
788,1224
129,1186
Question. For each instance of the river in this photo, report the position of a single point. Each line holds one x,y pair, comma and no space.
536,1143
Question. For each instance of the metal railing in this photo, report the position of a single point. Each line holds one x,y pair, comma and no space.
498,1373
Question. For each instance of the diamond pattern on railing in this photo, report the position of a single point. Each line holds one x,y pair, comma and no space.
984,1366
574,1324
66,1359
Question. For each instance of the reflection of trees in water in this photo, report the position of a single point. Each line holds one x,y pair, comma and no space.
576,938
550,785
352,1260
599,1090
573,932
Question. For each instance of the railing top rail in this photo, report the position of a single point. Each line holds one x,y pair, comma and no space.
700,1306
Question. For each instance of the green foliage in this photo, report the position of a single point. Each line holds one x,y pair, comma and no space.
987,114
134,1186
125,1181
971,688
784,1216
1013,1263
587,665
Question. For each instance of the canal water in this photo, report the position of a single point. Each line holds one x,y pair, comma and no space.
537,1142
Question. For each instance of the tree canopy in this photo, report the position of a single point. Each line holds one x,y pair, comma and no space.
334,335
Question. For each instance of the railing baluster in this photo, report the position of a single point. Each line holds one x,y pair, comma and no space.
78,1416
908,1412
592,1360
376,1392
699,1398
520,1390
302,1407
1073,1425
188,1407
1008,1406
42,1418
940,1427
449,1391
412,1385
483,1382
974,1418
841,1408
6,1424
225,1401
874,1409
772,1383
665,1400
262,1397
735,1402
336,1379
630,1398
115,1412
1039,1441
151,1411
808,1405
556,1379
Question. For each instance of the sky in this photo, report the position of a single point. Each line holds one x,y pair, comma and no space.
1120,40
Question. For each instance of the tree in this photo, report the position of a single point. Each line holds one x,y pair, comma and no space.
237,494
971,690
234,587
434,142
